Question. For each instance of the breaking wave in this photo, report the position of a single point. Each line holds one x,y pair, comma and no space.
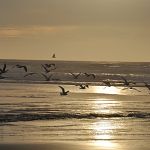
56,116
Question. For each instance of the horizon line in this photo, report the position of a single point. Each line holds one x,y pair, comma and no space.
55,59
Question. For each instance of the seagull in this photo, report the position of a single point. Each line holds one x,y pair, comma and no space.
46,69
54,56
49,65
22,66
53,68
75,76
47,78
131,88
88,75
147,85
63,91
107,83
3,70
29,74
126,83
83,86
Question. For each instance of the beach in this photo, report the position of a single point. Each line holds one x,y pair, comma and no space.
33,114
133,145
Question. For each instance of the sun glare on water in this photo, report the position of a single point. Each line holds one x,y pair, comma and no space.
106,90
103,135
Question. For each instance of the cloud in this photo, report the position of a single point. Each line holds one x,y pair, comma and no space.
15,32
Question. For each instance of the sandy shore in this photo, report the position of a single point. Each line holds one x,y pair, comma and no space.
51,146
128,145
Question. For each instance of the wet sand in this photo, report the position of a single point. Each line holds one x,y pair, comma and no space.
104,145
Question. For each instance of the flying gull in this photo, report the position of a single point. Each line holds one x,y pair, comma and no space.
22,66
63,91
47,77
3,70
75,76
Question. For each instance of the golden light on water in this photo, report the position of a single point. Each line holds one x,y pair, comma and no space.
104,106
106,90
103,134
103,130
106,144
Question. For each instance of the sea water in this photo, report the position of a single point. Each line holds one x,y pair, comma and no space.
32,109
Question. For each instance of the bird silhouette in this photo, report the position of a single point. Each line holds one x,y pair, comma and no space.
3,70
90,75
52,68
47,70
29,74
22,66
147,85
75,76
83,86
50,65
131,88
107,83
63,91
47,77
54,56
126,83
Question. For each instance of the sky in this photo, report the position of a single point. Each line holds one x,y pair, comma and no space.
87,30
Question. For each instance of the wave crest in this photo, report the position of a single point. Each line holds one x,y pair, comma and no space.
56,116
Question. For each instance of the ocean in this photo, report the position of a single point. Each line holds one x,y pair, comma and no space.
108,113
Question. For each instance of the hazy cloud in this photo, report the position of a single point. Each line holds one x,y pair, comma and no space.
13,32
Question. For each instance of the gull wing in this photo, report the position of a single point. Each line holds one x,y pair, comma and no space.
63,90
4,68
25,68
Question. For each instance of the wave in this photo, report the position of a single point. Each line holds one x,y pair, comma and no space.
56,116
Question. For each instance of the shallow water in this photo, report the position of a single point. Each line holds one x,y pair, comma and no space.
32,110
32,113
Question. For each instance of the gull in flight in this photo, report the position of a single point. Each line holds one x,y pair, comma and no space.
22,66
75,76
3,70
30,74
90,74
63,91
46,69
107,83
131,88
54,56
83,86
49,65
147,85
47,78
126,83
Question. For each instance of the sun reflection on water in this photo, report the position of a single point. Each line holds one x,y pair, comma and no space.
106,144
104,134
105,106
106,90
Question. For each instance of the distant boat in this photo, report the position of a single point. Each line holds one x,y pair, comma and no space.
54,56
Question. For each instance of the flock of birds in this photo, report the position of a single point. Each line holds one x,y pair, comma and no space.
48,68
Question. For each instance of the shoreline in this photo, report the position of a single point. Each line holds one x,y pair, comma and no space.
82,145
